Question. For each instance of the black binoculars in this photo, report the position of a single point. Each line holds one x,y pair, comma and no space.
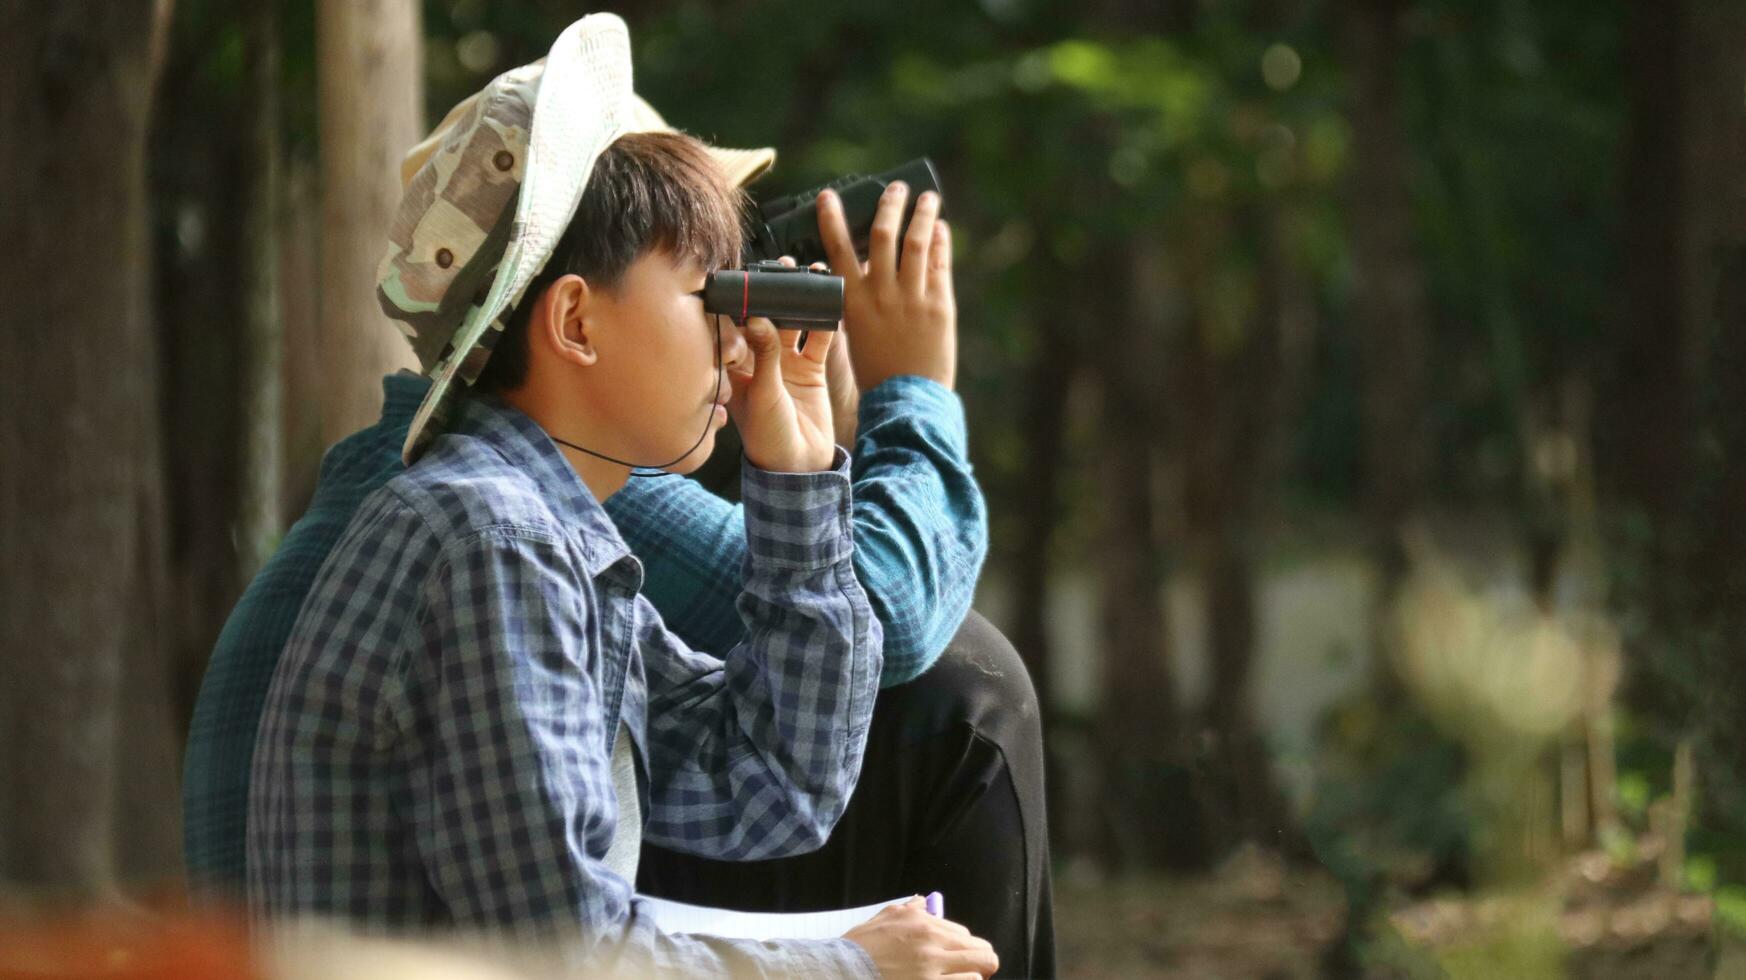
793,297
789,225
797,297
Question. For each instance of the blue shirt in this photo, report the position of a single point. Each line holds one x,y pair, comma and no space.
435,747
920,532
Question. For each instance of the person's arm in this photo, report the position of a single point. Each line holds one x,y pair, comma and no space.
510,784
754,755
920,531
921,528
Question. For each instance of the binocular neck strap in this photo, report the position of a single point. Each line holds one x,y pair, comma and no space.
659,468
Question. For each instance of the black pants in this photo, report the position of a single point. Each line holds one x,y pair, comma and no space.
950,800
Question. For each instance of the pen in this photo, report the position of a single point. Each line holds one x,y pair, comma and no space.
936,904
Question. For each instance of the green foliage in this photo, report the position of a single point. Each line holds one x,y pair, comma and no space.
1731,909
1633,794
1388,807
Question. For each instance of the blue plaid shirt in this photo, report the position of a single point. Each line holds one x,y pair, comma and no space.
435,747
920,535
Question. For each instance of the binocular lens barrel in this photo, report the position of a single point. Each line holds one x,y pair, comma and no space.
793,298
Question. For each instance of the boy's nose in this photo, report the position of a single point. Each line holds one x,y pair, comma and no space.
736,354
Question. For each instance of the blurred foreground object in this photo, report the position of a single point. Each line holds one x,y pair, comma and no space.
1505,679
126,943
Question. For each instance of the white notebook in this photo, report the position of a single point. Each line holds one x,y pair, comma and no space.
729,924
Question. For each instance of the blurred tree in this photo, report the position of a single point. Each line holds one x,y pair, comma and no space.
1389,307
261,385
1139,723
199,169
370,89
82,541
1235,366
1672,440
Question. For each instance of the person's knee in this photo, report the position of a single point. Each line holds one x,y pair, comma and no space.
993,665
979,680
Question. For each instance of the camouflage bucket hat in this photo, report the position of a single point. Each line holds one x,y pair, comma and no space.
490,191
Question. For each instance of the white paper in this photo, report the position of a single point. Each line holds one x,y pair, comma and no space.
729,924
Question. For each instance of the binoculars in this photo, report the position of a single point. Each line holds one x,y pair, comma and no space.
797,297
789,225
793,297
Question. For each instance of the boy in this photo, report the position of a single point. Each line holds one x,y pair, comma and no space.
474,692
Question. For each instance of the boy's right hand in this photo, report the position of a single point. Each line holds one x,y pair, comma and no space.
906,942
782,407
904,319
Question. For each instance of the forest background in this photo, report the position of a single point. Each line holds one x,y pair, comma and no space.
1353,384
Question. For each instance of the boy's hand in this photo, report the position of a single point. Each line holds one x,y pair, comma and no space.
845,394
783,408
904,318
906,942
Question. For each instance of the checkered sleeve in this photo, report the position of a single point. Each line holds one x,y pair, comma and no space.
509,777
920,532
754,755
692,544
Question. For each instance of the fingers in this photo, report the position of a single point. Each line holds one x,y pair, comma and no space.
833,229
814,345
882,240
810,344
940,262
954,928
761,337
913,270
978,960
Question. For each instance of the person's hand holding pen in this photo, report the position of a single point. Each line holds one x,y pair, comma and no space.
914,940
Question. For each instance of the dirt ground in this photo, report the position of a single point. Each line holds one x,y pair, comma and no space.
1256,919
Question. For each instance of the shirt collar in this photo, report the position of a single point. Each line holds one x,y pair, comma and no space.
521,440
402,392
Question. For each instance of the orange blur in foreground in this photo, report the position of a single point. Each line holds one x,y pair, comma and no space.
125,946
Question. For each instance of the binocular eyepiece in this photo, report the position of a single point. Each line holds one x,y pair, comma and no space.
797,297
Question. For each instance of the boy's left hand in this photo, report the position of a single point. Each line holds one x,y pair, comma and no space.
783,409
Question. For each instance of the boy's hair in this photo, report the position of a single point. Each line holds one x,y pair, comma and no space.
647,192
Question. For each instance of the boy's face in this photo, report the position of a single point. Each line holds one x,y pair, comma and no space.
655,383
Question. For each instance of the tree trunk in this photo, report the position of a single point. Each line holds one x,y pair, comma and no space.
1389,307
87,733
1150,819
1677,467
300,360
196,187
262,391
1644,418
1049,380
369,74
1228,390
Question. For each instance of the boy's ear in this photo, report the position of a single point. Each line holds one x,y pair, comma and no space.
562,320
